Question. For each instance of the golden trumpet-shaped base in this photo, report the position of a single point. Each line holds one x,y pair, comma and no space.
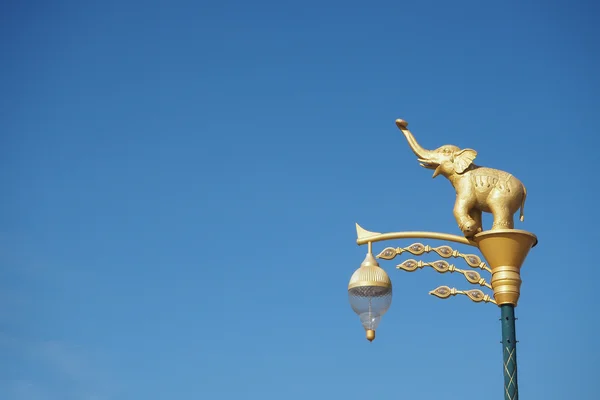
370,335
505,251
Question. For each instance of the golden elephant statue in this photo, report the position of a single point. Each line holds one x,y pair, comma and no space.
478,189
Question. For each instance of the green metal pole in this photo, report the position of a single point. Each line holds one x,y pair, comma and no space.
509,350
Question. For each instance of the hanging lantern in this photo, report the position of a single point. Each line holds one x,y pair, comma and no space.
370,294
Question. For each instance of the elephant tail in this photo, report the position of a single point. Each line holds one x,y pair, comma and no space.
522,216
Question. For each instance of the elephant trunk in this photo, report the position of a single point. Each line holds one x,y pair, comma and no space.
415,147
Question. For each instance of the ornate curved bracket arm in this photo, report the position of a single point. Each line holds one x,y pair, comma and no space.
442,267
443,292
364,236
473,260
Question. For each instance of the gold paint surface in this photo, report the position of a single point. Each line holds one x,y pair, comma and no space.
478,189
369,274
364,236
442,267
370,335
473,260
505,251
476,295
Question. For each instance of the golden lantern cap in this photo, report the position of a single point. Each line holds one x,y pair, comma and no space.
370,274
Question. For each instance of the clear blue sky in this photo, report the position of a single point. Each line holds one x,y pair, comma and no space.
181,181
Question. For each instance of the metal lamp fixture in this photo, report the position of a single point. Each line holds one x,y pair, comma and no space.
504,248
370,294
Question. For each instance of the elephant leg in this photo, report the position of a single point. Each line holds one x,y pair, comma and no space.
503,218
461,212
501,204
475,214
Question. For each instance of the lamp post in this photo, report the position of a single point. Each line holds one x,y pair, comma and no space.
504,248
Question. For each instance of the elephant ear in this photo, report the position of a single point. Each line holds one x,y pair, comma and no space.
463,159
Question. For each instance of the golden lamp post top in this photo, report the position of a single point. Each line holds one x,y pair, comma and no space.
478,190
